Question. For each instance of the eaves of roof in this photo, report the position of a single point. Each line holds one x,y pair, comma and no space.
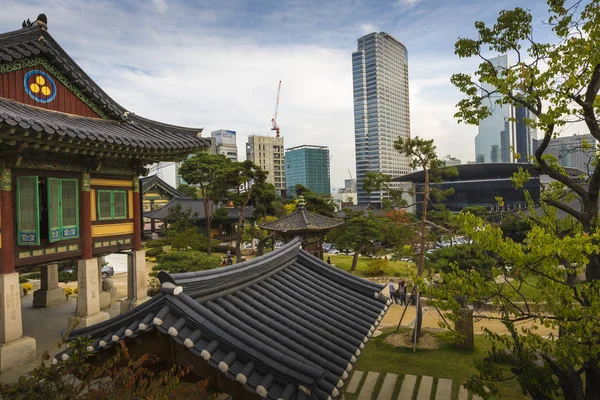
285,325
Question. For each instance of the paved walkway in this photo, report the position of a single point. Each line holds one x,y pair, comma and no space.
387,386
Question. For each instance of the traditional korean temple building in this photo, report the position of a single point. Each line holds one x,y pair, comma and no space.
70,158
222,227
156,193
311,227
281,326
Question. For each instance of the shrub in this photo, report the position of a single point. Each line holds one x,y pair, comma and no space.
153,286
154,252
151,244
27,287
186,240
67,277
377,267
176,262
23,278
68,292
120,377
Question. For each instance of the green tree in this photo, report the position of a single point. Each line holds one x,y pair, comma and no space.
515,227
359,233
188,190
207,173
317,203
250,187
466,257
179,220
558,82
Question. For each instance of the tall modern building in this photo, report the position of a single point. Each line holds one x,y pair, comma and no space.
577,151
225,142
308,166
505,130
381,108
267,152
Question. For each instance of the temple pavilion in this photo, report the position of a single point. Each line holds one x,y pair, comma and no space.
311,227
70,161
285,325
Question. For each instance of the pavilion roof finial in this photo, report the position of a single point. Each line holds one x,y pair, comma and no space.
301,203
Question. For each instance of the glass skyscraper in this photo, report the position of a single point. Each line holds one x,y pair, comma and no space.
309,167
505,129
381,108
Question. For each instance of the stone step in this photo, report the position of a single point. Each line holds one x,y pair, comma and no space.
425,388
385,393
368,386
408,387
444,389
462,393
355,381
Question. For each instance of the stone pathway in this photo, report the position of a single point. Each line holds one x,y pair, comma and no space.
403,387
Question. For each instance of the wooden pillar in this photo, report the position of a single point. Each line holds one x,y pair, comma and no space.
85,224
7,214
137,215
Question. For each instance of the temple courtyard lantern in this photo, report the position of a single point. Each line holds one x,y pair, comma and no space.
70,161
311,227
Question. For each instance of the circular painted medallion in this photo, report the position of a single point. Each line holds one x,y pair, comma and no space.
40,86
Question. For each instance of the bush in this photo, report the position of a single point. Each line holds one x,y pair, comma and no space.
153,286
151,244
67,277
31,275
154,252
68,292
176,262
191,239
377,267
120,377
23,278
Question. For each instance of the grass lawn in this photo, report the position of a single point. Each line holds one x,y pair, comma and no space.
445,362
397,268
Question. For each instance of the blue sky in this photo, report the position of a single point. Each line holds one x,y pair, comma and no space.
217,64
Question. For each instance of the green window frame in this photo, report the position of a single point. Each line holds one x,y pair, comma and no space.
112,204
63,209
28,211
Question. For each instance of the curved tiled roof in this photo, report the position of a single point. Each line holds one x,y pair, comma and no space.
145,139
197,209
123,128
302,221
154,181
284,326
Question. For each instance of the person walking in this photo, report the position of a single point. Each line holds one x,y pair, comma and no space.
402,292
329,260
229,260
392,291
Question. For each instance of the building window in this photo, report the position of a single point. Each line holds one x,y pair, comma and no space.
112,204
47,208
63,209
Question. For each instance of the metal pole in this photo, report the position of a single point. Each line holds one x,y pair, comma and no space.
416,320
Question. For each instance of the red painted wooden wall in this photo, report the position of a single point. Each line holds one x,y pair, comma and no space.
12,86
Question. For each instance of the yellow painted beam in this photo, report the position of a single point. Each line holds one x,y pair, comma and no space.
93,209
112,229
110,182
130,201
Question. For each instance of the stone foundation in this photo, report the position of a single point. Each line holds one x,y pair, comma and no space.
48,298
16,352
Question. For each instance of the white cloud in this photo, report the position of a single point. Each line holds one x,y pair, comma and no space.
160,6
368,28
409,3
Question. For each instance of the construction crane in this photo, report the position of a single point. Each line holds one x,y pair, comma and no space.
275,127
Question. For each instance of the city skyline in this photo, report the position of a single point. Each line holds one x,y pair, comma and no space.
225,60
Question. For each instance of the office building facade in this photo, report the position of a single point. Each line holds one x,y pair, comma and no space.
225,143
381,108
577,151
308,166
505,131
268,153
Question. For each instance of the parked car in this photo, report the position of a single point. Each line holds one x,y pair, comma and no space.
333,251
107,271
